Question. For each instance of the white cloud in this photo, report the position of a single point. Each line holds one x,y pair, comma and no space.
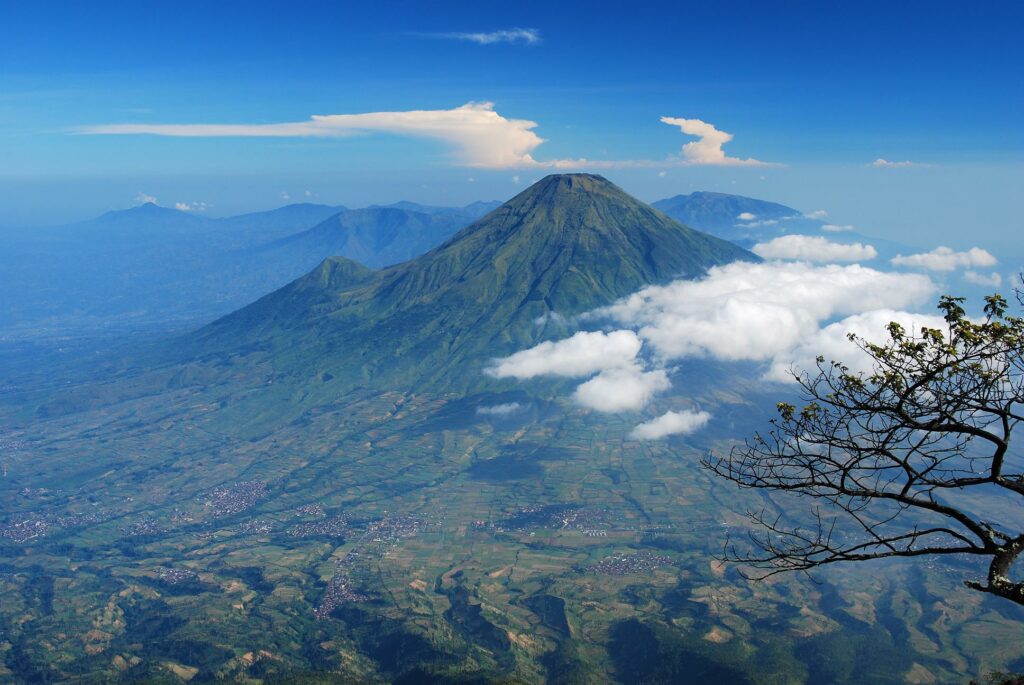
993,279
814,249
622,389
662,174
776,312
882,163
708,148
746,216
515,35
500,409
285,196
671,423
947,259
515,179
816,214
584,354
479,135
762,222
745,311
836,228
191,206
831,342
143,198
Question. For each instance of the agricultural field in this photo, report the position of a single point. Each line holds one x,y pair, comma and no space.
396,533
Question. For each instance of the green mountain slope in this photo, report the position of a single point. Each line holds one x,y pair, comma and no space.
566,245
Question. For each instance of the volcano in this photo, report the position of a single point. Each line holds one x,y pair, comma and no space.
564,246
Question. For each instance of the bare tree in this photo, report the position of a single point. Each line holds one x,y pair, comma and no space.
910,459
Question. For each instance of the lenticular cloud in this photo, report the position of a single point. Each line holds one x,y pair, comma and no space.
480,136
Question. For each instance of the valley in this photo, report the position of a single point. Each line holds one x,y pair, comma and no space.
320,487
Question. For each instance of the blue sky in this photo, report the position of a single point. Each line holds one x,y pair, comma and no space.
821,90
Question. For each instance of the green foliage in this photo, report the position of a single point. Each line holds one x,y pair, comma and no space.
1000,678
898,457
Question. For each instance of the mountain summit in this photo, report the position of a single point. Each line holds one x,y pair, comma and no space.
564,246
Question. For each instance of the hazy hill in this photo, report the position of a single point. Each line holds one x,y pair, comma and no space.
159,268
473,210
747,221
375,236
720,213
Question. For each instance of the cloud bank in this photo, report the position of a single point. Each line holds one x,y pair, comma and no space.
832,342
618,382
993,279
814,249
947,259
584,354
626,389
671,423
783,314
758,312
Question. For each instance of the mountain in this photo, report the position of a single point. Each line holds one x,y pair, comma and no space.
275,224
721,211
742,220
746,222
564,246
375,237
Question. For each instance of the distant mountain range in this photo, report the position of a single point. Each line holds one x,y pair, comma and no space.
743,220
156,267
377,236
159,268
746,221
